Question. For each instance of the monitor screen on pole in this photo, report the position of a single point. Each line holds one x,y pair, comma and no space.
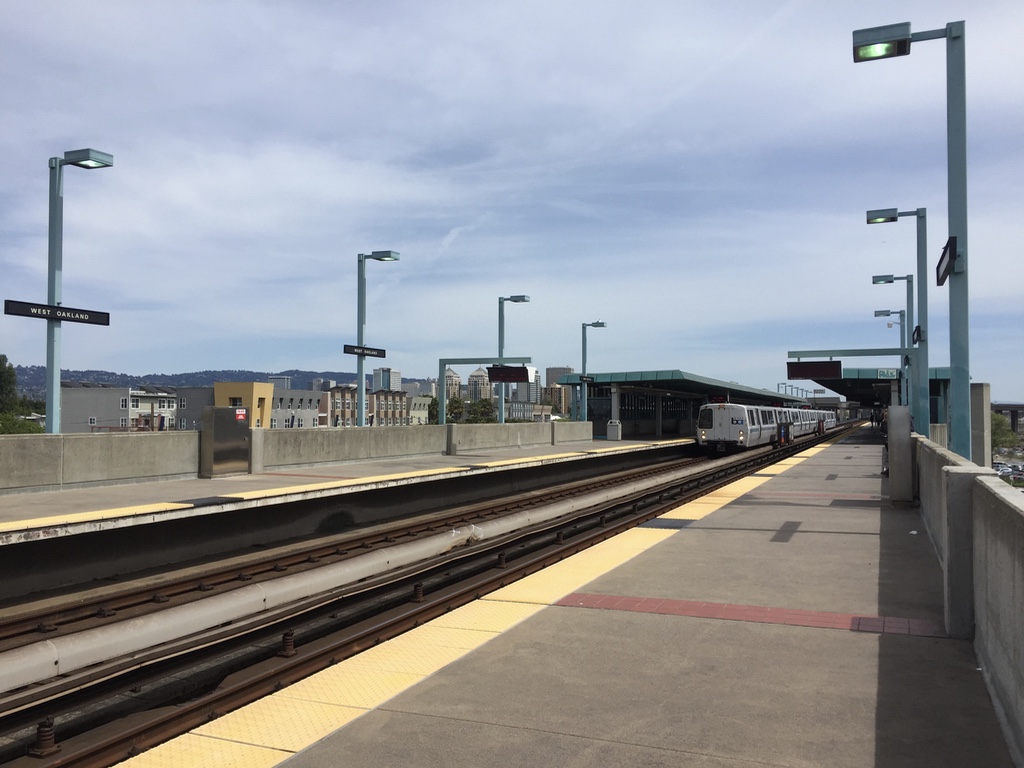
508,374
815,369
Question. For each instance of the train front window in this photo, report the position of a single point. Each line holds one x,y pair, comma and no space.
706,419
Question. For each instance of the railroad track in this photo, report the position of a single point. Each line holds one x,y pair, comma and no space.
131,702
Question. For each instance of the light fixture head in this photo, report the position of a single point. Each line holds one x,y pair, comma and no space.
883,312
88,158
882,279
519,299
384,256
598,324
881,42
882,215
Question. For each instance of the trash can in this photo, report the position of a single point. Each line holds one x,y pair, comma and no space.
614,430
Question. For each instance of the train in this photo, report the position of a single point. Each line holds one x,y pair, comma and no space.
726,427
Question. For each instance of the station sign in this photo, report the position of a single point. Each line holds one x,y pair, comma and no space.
888,373
56,312
814,369
351,349
508,374
586,379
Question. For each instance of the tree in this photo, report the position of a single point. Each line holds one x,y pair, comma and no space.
11,424
1002,435
481,412
454,410
8,386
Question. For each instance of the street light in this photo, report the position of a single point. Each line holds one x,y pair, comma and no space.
583,384
896,40
902,323
361,325
517,299
919,393
83,158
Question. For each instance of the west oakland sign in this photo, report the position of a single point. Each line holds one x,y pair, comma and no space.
55,312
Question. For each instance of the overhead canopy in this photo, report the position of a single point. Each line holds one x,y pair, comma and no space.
682,384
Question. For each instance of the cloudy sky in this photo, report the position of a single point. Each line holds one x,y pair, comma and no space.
695,174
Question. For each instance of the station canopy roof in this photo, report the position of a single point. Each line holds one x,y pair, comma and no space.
685,385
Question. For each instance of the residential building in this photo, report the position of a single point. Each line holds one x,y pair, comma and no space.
296,408
343,405
387,409
87,407
191,401
257,396
559,396
419,409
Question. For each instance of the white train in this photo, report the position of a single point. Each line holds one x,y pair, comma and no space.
725,427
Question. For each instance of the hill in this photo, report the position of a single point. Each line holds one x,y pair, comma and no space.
32,378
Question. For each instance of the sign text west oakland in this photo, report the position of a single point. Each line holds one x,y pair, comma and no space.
55,312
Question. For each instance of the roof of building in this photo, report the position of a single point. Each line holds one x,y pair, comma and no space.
681,383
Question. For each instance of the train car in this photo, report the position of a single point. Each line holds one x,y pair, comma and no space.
723,427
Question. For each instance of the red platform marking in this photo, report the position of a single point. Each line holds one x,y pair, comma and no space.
758,614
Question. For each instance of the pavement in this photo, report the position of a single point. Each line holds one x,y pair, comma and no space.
793,618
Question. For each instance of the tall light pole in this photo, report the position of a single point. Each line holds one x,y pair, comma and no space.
922,392
517,299
360,327
902,322
906,336
583,384
895,40
83,158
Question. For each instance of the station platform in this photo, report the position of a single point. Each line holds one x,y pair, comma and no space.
91,508
793,618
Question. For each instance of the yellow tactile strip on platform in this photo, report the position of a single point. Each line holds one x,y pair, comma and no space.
555,582
87,517
712,502
342,483
200,752
270,730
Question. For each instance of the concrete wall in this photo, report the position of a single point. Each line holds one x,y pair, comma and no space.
999,600
290,447
48,462
976,522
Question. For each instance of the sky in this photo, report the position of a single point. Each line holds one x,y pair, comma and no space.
694,174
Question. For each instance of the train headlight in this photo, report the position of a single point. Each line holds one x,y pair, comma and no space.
741,436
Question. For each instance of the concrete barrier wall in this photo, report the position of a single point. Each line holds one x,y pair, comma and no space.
30,461
999,600
976,522
573,431
469,437
291,447
47,462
